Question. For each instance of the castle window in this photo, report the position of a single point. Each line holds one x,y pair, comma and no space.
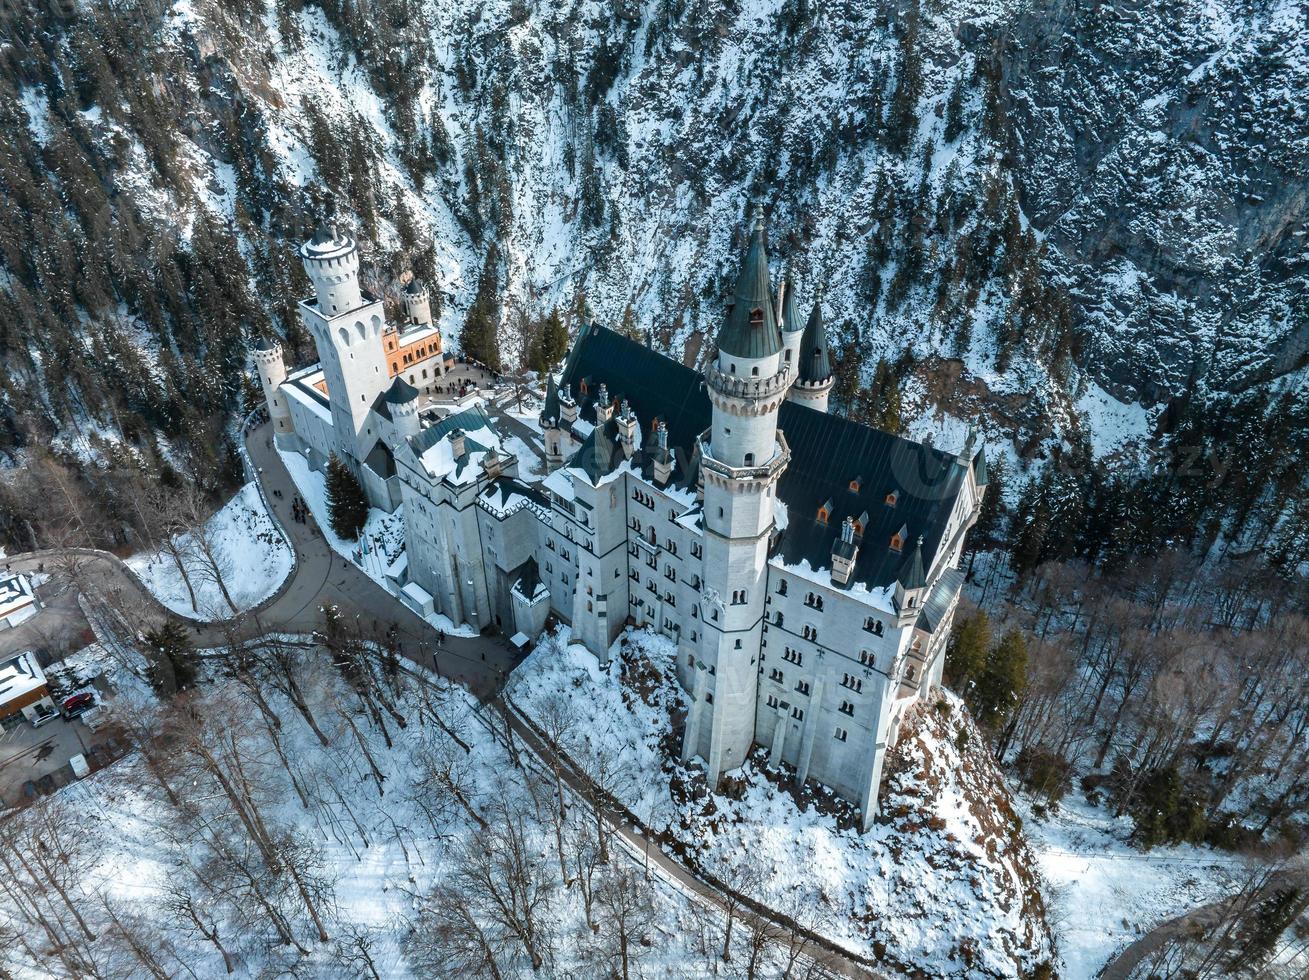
846,708
797,714
897,542
892,498
775,675
781,587
873,626
731,368
840,734
754,371
756,317
708,698
749,459
853,683
772,701
855,484
808,632
793,656
865,658
736,645
814,601
802,687
910,672
778,618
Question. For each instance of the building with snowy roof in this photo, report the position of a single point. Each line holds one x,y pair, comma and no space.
806,565
18,601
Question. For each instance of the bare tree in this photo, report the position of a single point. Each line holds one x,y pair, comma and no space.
626,915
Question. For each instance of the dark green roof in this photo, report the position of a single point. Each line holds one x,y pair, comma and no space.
750,330
790,315
815,365
598,454
468,419
400,392
550,410
912,574
980,473
938,601
827,453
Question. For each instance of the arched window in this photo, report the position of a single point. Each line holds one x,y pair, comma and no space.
749,459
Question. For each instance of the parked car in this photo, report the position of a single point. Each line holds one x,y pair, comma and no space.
75,704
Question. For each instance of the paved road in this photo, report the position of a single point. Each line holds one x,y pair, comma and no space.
480,663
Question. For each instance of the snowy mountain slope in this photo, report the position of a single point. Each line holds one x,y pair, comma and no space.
1161,149
1003,202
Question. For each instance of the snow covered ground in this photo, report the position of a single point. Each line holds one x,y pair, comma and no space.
945,884
251,558
381,545
1104,893
371,822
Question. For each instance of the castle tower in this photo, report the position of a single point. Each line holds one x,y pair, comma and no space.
346,324
814,376
272,372
742,457
792,327
552,425
418,305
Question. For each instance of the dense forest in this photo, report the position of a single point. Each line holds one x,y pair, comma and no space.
163,163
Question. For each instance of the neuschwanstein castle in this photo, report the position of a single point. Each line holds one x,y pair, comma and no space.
805,565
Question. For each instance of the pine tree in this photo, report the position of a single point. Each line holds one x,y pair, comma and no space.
172,660
1001,682
554,339
966,653
347,506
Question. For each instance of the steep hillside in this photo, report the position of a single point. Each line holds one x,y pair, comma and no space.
1161,149
946,175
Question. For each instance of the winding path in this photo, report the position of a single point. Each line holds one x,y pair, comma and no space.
321,577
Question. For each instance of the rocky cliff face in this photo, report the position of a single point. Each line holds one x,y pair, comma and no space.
1162,150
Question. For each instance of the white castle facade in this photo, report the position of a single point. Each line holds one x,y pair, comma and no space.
805,565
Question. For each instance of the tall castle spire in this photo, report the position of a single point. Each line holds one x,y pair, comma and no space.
814,375
750,328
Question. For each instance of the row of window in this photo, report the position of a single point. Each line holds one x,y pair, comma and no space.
797,713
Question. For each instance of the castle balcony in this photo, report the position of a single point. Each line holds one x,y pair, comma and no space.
768,472
738,387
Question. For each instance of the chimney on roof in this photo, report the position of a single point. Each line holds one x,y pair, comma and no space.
568,407
627,429
603,408
844,554
663,459
456,438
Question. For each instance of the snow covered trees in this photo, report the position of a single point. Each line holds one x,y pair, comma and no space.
346,503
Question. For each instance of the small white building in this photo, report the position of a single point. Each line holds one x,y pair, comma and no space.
23,691
18,601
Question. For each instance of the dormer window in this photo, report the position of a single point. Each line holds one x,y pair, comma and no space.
897,542
825,512
582,387
856,484
757,317
892,498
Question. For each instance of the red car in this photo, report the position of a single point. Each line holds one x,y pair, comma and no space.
75,704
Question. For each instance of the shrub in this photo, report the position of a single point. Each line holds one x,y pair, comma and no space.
1044,773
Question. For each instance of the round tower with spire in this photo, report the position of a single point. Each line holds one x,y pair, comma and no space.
742,457
814,377
791,324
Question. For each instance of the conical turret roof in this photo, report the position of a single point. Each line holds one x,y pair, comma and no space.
401,391
550,410
912,575
750,330
815,364
791,322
